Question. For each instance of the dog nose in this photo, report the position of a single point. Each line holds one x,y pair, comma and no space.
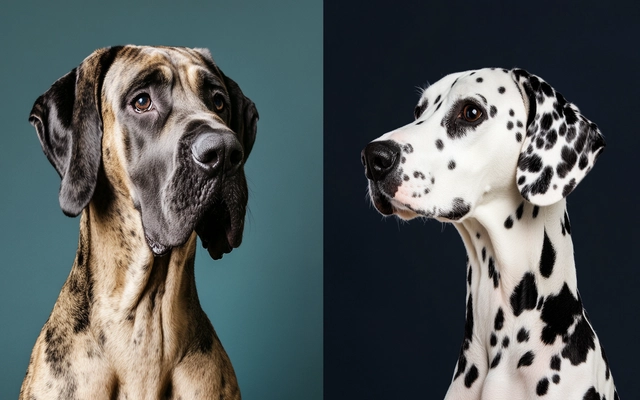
380,158
217,151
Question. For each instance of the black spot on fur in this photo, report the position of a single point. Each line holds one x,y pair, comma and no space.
542,387
509,125
556,362
501,90
439,144
584,161
459,209
541,185
525,294
508,223
471,376
592,394
498,323
520,210
417,112
558,313
493,340
535,211
606,363
548,256
581,341
568,188
556,378
496,360
493,111
469,275
526,359
546,121
479,80
523,335
468,326
569,158
505,342
484,254
452,165
462,364
531,163
493,274
552,138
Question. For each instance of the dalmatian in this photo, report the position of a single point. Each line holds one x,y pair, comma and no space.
495,152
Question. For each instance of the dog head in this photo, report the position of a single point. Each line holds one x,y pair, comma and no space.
477,135
168,128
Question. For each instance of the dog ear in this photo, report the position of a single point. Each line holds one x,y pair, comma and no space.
67,118
561,145
244,115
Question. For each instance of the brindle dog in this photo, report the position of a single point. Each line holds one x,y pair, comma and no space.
150,143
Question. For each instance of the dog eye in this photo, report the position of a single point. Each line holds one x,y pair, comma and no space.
142,103
470,113
218,101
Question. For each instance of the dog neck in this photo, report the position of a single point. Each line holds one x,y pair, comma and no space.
519,255
510,238
149,300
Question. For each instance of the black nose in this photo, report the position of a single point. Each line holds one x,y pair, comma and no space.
380,158
217,152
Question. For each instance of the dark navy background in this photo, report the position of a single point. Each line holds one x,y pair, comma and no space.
394,292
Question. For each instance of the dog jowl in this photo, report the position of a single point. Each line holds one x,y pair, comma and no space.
495,152
150,144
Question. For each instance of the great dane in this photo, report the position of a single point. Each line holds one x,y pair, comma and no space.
495,152
150,143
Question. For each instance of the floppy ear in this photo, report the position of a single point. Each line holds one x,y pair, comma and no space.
67,118
244,115
561,145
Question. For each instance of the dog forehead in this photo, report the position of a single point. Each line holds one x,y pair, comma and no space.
133,63
483,81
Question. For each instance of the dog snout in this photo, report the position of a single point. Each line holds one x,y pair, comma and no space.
217,152
380,158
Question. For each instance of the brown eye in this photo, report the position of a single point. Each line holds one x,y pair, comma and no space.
142,103
471,113
218,101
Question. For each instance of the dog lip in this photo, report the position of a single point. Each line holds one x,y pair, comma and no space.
380,200
219,231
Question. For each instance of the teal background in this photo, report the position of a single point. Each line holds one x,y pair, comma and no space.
265,298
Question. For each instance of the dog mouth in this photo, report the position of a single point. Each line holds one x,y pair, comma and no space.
387,206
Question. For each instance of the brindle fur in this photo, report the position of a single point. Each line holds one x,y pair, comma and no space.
128,323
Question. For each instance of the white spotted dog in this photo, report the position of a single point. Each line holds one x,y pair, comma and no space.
495,152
